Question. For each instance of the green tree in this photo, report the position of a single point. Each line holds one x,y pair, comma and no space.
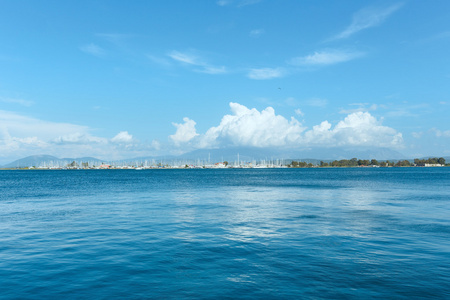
323,164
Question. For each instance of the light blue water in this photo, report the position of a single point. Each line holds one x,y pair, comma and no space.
234,233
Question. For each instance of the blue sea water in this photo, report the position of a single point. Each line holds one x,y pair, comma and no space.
350,233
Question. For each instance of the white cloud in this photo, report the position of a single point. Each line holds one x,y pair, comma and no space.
361,107
440,133
256,33
299,112
16,101
366,18
23,126
78,138
212,70
223,2
265,73
22,136
326,58
122,137
250,127
184,57
195,60
155,145
93,50
417,135
185,132
362,129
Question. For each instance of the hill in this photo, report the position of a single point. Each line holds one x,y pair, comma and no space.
231,154
48,160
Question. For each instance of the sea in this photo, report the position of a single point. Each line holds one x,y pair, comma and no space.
314,233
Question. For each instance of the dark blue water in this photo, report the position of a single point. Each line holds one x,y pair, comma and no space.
233,233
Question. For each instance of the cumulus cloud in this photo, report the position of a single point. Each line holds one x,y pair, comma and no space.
185,132
122,137
367,18
362,129
250,127
328,57
22,136
265,73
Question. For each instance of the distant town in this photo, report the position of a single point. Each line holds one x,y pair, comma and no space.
278,163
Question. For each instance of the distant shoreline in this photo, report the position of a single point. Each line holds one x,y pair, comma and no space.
212,168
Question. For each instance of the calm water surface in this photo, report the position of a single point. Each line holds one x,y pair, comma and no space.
234,233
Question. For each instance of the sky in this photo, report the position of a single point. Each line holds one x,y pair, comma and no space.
123,79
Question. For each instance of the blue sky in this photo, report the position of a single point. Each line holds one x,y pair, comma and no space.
121,79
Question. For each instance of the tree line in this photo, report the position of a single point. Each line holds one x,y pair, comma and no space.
355,162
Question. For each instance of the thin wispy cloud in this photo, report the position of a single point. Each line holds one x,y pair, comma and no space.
360,107
184,57
440,133
328,57
212,70
367,18
265,73
255,33
195,60
223,2
16,101
93,49
316,102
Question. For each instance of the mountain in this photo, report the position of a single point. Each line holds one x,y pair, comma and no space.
250,153
48,160
231,154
